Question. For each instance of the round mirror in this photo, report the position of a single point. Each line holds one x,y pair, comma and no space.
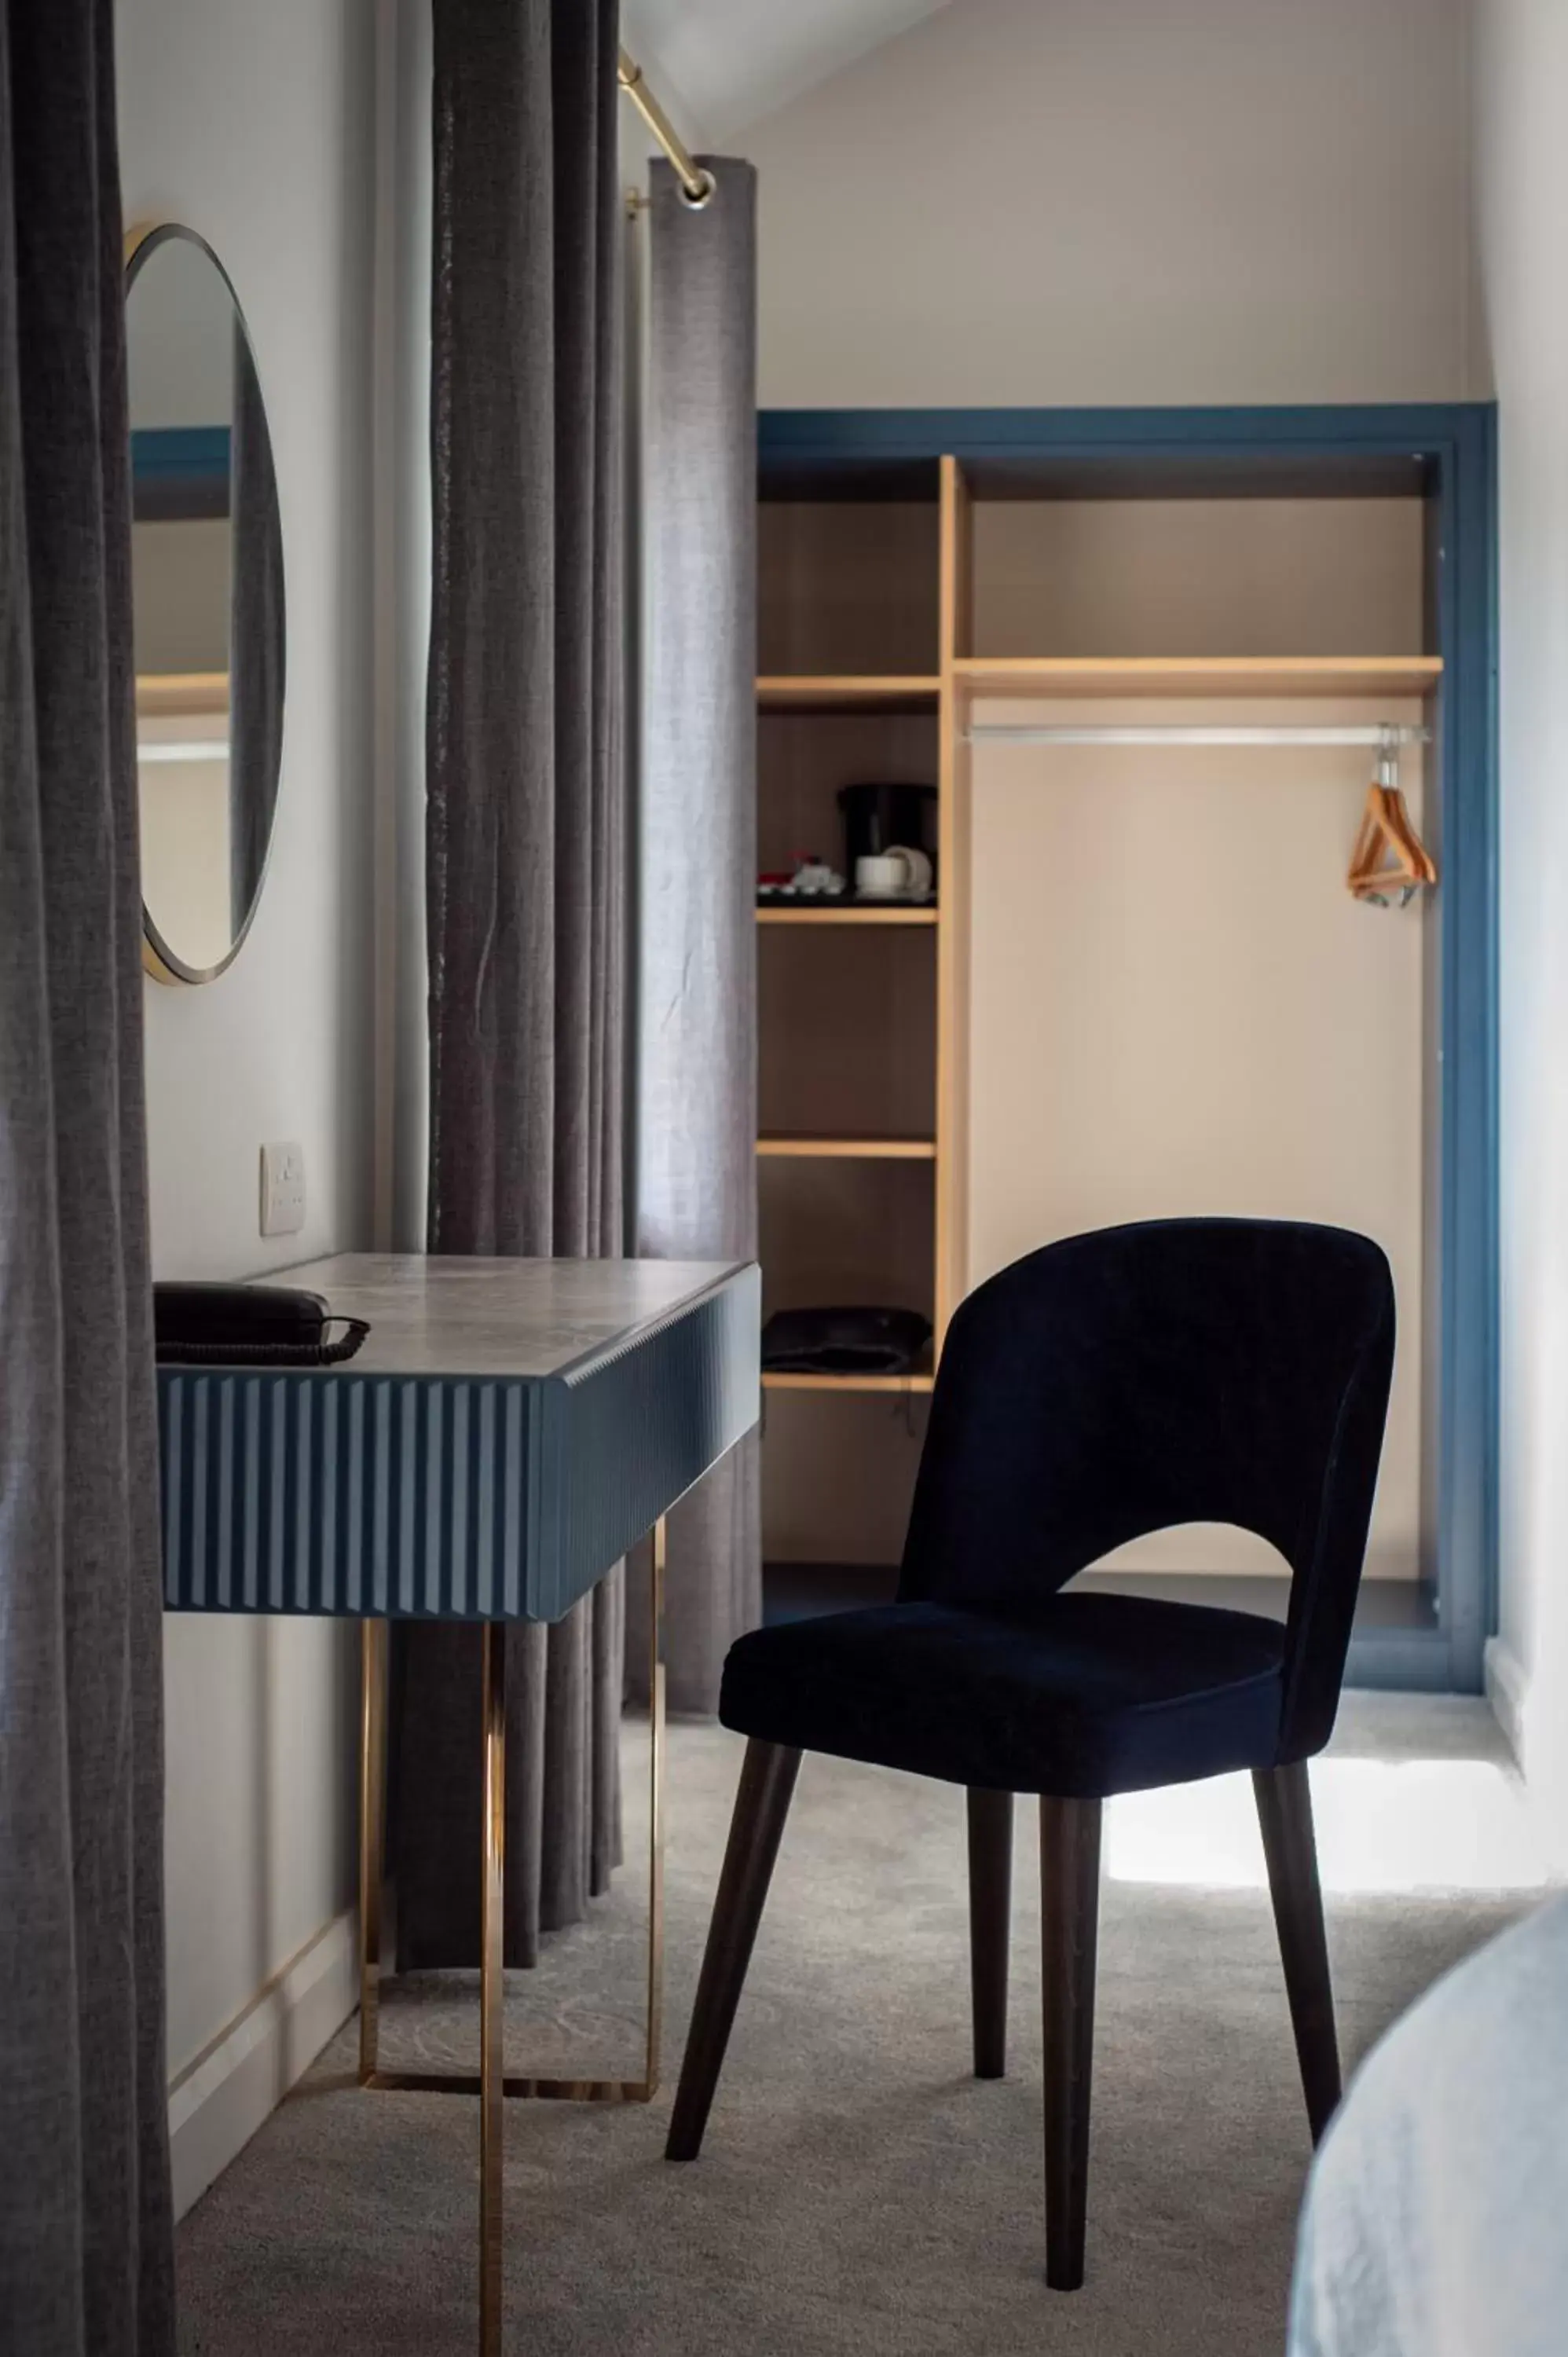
206,588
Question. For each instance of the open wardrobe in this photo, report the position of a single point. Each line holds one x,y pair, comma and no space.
1126,849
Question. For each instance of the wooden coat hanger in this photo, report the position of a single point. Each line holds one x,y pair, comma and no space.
1390,860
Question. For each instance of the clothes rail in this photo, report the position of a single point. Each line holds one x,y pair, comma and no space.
1383,738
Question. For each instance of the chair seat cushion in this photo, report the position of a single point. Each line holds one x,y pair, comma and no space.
1086,1696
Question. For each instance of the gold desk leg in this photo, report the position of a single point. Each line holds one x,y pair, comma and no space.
492,1993
372,1834
492,2084
373,1773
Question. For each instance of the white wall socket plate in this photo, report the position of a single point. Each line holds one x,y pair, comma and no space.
283,1187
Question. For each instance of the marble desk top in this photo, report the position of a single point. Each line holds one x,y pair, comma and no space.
447,1315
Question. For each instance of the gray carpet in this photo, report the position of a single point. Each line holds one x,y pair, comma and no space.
858,2192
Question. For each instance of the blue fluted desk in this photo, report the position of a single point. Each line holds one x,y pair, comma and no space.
508,1431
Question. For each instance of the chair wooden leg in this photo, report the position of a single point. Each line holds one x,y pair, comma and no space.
990,1918
761,1804
1284,1813
1070,1919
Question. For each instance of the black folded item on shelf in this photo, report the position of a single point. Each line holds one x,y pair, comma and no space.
844,1341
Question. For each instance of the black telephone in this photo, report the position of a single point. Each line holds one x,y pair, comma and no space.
249,1326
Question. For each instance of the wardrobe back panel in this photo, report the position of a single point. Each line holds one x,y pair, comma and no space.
1247,576
846,1046
844,1232
838,1475
1178,1009
846,586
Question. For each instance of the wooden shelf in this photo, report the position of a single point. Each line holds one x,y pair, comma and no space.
865,1149
164,694
825,691
1273,676
846,913
920,1379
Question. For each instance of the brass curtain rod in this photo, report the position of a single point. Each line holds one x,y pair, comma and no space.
696,184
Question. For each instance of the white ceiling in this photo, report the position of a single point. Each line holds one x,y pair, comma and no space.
719,65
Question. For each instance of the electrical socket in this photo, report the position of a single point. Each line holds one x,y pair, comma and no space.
283,1187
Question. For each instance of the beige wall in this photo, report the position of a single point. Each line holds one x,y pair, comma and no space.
1194,576
1523,72
1125,201
254,125
181,583
1178,1010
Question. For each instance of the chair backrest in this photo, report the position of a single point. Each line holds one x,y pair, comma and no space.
1214,1371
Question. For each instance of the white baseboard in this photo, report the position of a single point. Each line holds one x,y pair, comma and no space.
219,2101
1506,1688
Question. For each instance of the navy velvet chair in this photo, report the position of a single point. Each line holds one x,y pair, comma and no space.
1217,1371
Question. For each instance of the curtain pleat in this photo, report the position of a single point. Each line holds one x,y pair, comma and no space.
525,874
696,1064
86,2258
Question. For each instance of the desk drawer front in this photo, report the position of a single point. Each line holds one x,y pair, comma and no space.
338,1494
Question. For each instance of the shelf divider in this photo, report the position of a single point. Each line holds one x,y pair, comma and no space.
918,1380
917,913
849,692
865,1149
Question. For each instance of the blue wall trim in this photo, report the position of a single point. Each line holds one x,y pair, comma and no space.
178,453
1457,443
180,473
1424,428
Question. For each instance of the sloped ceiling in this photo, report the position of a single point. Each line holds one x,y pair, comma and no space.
719,65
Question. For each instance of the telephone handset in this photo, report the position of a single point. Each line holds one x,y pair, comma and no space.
249,1326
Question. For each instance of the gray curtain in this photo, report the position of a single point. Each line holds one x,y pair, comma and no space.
526,873
86,2266
255,637
696,1110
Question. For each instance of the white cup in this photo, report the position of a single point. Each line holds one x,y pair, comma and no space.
882,875
917,870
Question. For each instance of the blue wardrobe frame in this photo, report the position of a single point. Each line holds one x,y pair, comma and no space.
1451,449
